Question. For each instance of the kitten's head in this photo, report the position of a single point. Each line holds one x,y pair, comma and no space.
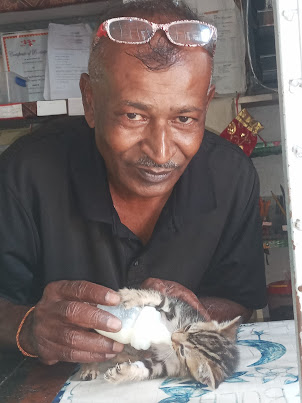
208,350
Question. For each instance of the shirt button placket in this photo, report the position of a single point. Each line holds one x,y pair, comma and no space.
135,274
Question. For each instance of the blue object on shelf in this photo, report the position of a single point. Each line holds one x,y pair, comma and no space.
20,81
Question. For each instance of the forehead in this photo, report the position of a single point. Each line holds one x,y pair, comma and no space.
185,82
122,59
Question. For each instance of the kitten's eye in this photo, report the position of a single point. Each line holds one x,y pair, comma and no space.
182,350
187,328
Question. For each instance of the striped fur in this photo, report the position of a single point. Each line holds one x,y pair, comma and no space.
203,350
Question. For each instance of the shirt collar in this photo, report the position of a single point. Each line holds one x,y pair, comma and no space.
193,194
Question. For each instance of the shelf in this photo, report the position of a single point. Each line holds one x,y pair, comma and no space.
257,100
41,109
275,243
268,148
265,17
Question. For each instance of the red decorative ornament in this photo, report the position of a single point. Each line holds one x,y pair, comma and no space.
243,131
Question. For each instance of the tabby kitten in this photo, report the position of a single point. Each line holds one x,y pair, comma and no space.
203,350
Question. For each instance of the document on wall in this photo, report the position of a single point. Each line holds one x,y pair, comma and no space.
229,61
67,58
25,53
229,74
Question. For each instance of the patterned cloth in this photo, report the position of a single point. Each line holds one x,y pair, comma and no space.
25,5
267,373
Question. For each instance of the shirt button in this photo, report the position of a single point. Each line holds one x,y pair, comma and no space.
135,263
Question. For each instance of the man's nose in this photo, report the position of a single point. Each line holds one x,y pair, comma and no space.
158,143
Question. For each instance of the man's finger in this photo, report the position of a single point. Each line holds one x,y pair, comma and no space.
52,352
79,339
88,316
81,291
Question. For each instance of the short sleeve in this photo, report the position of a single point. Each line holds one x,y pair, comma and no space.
237,269
18,251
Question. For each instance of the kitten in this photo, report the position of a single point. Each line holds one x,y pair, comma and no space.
203,350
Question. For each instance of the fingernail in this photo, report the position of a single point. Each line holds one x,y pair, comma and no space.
112,298
114,323
117,347
110,355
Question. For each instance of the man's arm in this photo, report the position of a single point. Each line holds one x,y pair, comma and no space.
222,309
10,318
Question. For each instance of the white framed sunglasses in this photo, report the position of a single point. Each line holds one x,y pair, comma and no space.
133,30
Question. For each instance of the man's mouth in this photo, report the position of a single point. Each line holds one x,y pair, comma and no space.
155,175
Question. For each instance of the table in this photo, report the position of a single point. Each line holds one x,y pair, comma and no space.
267,373
26,380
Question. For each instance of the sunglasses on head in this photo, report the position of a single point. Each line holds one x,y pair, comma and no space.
133,30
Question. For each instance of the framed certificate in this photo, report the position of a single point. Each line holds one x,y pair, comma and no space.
25,53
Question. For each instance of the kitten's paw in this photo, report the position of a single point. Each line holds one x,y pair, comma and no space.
117,374
130,298
126,372
89,371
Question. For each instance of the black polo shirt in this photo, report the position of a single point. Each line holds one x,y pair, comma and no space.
57,221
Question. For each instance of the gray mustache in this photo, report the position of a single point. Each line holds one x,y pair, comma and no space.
147,162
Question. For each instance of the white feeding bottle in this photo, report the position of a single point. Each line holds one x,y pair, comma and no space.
141,326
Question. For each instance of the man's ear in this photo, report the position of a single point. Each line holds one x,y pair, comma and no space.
87,98
210,95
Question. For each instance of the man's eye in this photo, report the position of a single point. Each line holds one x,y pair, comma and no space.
134,116
184,119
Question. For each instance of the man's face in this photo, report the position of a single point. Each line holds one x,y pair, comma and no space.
148,124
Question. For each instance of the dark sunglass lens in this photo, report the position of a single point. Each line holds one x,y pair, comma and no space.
132,31
190,33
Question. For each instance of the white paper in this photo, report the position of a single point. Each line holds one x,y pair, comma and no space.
47,108
11,111
68,54
229,60
75,107
24,53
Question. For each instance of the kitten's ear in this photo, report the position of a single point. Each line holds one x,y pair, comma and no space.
206,372
210,374
229,329
210,378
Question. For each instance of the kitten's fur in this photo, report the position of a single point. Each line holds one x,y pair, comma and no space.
203,350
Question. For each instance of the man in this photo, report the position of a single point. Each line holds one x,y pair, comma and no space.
143,198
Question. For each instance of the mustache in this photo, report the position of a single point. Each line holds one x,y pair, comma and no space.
148,162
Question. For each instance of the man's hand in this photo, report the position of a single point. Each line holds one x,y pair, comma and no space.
212,308
176,290
60,327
